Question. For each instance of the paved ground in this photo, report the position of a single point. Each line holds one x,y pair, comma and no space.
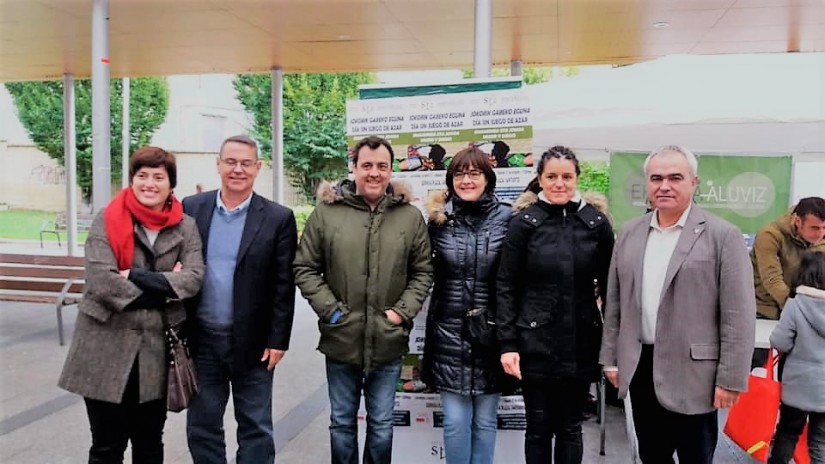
39,423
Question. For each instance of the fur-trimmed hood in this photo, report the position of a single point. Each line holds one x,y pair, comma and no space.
335,192
598,200
439,208
436,207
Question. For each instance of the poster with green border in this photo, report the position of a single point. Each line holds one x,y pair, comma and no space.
748,191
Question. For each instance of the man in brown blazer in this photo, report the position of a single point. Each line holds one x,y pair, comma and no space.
679,315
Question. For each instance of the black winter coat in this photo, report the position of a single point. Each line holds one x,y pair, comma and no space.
466,239
553,261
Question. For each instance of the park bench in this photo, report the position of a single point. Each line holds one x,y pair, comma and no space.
60,224
46,279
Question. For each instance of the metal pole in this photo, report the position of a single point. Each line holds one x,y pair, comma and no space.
101,124
483,52
278,135
125,136
70,162
516,68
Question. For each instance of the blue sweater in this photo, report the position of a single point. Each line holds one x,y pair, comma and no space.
216,306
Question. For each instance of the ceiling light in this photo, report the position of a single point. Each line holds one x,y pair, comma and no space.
661,24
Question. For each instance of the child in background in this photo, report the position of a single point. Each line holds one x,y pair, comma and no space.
800,336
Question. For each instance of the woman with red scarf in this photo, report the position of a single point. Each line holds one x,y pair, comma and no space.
143,258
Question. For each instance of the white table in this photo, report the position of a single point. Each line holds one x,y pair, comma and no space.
764,327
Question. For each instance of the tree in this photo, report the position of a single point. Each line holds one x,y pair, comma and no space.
40,109
595,177
315,144
531,75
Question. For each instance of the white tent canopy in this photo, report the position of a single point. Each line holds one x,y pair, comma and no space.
754,104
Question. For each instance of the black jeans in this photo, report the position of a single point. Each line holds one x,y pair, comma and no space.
662,432
790,425
554,411
113,425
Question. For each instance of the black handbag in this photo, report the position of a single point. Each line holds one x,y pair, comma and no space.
479,330
182,381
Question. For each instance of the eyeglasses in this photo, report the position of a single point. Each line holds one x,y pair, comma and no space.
473,175
245,164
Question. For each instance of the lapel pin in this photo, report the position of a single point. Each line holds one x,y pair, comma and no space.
697,230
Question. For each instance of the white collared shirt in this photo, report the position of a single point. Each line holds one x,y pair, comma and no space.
236,210
659,249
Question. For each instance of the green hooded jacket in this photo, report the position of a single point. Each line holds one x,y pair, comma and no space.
364,262
776,254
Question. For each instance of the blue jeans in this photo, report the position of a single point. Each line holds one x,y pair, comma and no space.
470,427
346,382
252,399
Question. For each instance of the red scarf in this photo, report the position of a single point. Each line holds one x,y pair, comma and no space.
120,217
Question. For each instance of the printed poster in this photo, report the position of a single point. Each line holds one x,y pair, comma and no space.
426,131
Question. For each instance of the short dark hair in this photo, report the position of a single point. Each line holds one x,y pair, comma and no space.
244,139
559,152
373,142
471,157
811,271
153,157
810,205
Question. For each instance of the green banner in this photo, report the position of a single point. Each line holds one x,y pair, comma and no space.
748,191
366,92
447,136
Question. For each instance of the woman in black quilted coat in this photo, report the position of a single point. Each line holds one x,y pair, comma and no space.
467,226
554,262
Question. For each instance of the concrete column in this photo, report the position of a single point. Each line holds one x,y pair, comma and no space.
70,162
483,51
101,118
278,135
516,68
125,134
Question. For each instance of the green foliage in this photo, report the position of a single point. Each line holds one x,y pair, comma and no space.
595,177
315,144
531,75
40,109
301,215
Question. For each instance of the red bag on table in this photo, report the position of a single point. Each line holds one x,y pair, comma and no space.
752,420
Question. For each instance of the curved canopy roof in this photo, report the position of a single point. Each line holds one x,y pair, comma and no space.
42,39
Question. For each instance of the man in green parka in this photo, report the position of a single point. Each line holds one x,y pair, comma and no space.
364,265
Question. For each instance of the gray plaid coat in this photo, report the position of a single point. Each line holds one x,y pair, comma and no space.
108,340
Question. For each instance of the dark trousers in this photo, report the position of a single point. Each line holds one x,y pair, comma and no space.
791,423
554,412
252,400
113,425
661,432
